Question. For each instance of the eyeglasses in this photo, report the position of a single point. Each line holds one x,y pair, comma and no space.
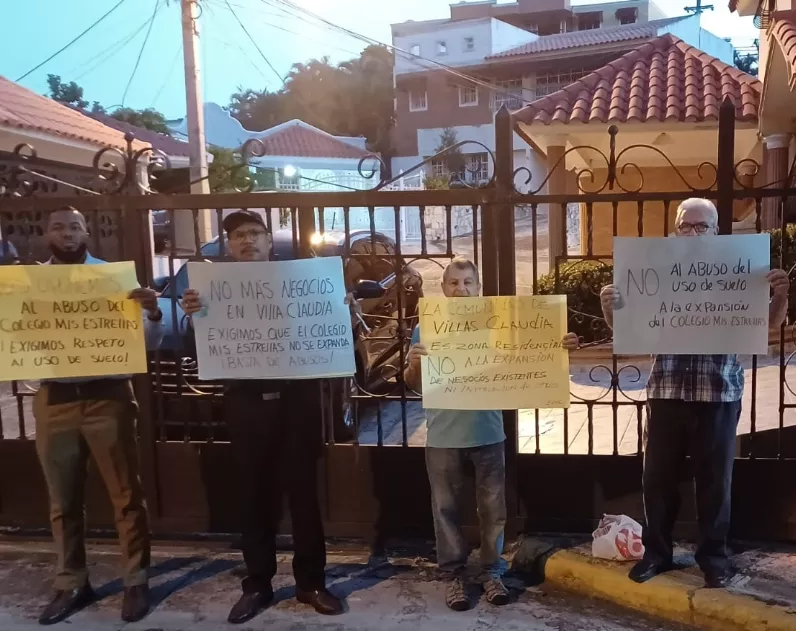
698,228
246,235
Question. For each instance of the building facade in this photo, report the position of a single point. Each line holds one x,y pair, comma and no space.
456,73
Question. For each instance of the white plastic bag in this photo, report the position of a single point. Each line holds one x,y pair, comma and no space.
617,538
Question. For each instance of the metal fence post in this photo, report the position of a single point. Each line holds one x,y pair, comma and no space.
726,165
507,286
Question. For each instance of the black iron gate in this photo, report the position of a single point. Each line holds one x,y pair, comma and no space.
566,467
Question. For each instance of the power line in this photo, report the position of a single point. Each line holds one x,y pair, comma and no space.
168,76
410,56
108,53
62,49
141,52
245,30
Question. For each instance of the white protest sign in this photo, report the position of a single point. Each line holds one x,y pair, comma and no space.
273,320
692,295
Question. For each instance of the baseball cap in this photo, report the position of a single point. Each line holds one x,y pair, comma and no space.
235,220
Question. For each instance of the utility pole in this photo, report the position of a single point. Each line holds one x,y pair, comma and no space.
698,8
197,145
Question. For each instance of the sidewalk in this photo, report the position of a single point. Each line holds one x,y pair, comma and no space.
193,589
762,596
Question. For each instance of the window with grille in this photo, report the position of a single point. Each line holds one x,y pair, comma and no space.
552,82
476,167
627,15
590,21
439,168
468,96
418,101
508,93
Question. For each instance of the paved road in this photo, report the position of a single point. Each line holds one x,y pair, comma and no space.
194,590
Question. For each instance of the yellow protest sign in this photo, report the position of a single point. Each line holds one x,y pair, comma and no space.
497,353
69,321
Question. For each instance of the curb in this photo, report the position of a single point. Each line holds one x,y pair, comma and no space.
677,596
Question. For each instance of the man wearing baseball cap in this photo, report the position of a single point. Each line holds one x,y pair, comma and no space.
276,434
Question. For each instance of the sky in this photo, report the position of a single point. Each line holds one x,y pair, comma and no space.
102,62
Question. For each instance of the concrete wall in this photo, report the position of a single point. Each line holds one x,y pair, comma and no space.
453,34
691,33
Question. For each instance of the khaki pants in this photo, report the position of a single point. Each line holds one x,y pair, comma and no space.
66,433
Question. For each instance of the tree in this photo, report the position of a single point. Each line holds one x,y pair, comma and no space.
354,98
223,175
147,118
747,63
454,160
66,93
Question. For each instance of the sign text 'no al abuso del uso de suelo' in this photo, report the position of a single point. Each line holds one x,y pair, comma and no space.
692,295
494,353
273,320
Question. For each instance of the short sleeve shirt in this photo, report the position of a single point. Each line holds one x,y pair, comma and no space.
462,428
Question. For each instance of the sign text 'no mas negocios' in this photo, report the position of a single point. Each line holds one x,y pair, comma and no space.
495,353
692,295
273,320
60,321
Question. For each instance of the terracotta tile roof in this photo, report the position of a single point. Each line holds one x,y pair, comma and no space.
298,139
24,109
577,39
662,80
168,145
783,30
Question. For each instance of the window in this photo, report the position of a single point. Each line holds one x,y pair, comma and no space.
628,15
476,167
442,48
554,81
469,44
418,101
468,96
414,49
590,21
439,168
509,93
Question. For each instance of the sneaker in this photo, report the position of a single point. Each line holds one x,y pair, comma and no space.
496,592
456,596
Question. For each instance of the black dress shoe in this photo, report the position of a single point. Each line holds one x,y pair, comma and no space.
645,569
322,601
248,606
136,603
718,578
65,603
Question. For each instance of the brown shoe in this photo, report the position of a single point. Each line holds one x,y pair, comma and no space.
65,603
322,601
248,606
136,603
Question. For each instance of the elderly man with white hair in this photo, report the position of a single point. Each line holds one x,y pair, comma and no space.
693,407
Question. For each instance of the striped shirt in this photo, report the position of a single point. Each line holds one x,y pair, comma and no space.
702,378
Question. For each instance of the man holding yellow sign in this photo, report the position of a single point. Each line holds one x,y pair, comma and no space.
77,325
507,347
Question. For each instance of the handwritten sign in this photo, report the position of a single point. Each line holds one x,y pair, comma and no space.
692,295
498,353
61,321
273,320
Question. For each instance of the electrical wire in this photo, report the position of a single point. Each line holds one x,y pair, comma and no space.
110,52
168,76
410,56
141,52
63,48
245,30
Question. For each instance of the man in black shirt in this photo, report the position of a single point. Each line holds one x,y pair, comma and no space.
276,432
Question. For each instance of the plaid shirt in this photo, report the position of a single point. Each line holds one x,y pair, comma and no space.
704,378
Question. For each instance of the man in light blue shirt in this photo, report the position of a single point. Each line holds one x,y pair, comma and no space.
93,416
454,438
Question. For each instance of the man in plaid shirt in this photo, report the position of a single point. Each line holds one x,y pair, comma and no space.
693,407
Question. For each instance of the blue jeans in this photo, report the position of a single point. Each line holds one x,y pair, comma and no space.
446,475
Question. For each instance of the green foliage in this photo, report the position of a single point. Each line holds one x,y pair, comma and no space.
454,160
354,98
222,172
783,252
66,93
146,118
432,183
747,63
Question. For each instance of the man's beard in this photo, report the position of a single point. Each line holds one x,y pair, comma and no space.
69,256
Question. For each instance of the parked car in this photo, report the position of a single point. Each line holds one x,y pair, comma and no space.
377,346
